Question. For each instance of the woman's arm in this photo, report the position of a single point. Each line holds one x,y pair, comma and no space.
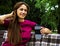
43,30
5,16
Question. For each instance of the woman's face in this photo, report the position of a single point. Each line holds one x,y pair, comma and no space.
22,11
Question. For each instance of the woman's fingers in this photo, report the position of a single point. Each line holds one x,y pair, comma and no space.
45,31
11,13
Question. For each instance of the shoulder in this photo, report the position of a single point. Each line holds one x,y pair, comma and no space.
29,21
32,23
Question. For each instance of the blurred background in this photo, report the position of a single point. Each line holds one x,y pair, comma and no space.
44,12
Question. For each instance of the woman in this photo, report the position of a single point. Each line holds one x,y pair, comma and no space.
19,29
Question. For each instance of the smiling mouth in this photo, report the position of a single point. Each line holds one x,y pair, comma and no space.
22,15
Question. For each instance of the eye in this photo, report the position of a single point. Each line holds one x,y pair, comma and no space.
21,9
25,10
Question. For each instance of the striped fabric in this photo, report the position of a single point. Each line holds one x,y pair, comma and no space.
50,40
1,36
45,40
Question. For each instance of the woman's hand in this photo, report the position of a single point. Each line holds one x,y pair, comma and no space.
11,13
45,31
5,16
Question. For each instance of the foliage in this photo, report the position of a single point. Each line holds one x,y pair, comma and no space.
5,6
49,16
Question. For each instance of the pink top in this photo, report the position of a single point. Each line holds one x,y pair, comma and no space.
26,28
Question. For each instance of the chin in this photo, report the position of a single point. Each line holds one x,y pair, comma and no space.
22,17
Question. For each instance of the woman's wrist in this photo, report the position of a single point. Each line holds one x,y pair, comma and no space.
7,16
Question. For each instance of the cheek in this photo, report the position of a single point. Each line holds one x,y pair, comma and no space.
18,12
26,13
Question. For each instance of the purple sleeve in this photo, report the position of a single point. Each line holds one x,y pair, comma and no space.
33,24
6,23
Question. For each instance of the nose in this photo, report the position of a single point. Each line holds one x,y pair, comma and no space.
23,11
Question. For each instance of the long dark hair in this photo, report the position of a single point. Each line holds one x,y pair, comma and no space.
14,31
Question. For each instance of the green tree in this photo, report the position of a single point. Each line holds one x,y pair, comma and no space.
49,13
5,6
